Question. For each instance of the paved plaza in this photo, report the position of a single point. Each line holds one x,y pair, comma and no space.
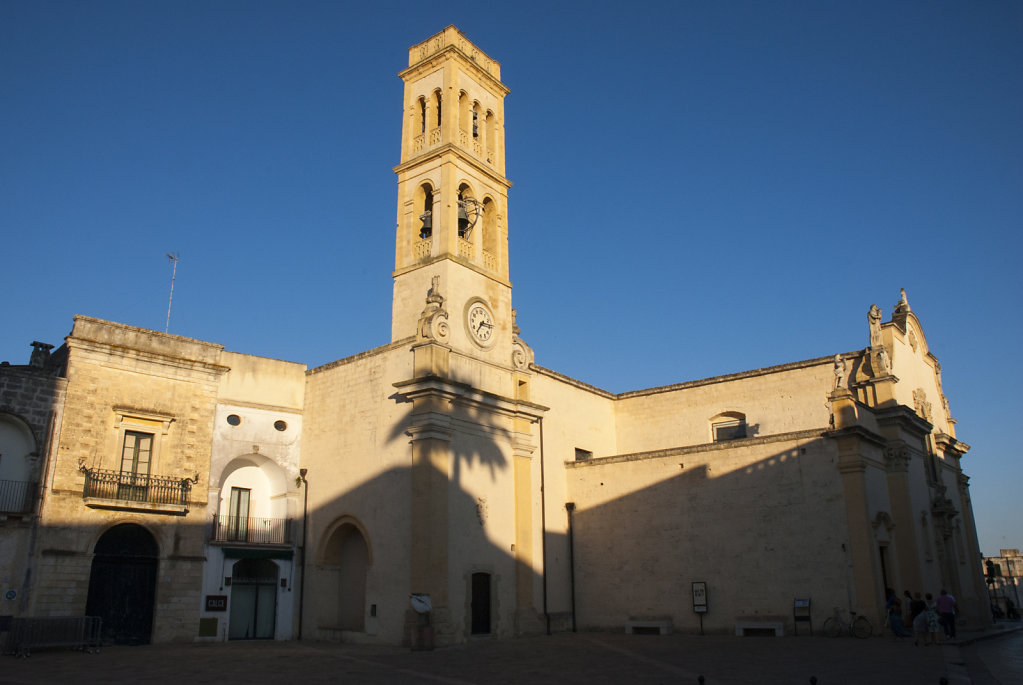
562,659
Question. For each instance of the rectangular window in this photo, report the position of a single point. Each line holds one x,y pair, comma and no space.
238,515
729,430
136,454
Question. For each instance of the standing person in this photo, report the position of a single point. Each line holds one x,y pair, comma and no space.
933,624
893,607
907,609
947,613
919,619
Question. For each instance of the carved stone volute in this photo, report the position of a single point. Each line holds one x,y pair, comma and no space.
433,322
522,354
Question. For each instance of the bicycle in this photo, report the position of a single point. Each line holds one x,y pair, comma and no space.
857,626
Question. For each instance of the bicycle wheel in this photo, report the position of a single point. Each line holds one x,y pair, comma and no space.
862,627
832,627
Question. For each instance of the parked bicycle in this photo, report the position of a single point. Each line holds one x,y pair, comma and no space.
857,626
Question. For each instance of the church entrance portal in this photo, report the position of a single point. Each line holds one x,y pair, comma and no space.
122,584
253,600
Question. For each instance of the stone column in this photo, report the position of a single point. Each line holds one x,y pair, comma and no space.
897,458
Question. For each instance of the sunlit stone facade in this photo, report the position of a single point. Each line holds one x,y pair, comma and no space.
242,497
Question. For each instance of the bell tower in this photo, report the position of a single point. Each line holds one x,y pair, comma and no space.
453,197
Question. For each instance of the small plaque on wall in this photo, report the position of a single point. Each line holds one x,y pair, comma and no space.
700,597
216,602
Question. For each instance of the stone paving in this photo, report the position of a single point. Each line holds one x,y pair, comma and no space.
561,659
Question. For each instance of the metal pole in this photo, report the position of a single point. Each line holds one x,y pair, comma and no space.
543,531
174,272
301,556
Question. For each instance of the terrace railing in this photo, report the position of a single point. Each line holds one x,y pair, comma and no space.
133,488
251,530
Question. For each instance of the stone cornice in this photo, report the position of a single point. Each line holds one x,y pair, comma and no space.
947,443
466,395
904,417
461,261
794,436
858,432
451,148
92,350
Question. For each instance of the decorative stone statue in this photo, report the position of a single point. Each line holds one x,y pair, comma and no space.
884,363
840,371
874,320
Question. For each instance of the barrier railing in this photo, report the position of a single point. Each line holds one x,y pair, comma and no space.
78,632
16,496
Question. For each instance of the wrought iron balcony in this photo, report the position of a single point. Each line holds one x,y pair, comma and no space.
16,496
126,490
251,530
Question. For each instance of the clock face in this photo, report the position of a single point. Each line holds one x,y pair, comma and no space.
481,323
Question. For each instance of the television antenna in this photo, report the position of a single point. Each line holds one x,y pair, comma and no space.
173,256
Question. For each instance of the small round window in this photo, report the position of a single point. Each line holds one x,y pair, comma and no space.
234,419
280,425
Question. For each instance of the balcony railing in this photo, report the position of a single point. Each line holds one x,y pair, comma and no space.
251,530
16,496
124,486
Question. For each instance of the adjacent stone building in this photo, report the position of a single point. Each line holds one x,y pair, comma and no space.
236,497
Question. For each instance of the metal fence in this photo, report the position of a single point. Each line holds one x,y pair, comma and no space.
79,632
134,487
16,496
261,531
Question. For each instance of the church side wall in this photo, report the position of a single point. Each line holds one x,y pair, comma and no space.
577,418
761,524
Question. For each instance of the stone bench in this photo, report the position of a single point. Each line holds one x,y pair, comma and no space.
760,624
663,627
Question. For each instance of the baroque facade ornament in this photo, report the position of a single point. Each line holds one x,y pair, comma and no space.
522,354
897,457
921,405
433,322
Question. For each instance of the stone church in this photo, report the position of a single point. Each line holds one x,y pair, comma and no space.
446,486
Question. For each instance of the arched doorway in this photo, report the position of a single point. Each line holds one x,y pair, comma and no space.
348,553
122,584
253,600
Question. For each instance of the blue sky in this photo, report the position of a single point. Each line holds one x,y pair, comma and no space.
700,188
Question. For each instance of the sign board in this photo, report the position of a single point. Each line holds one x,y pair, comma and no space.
216,602
700,597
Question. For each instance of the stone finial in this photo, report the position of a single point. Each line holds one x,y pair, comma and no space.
903,304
